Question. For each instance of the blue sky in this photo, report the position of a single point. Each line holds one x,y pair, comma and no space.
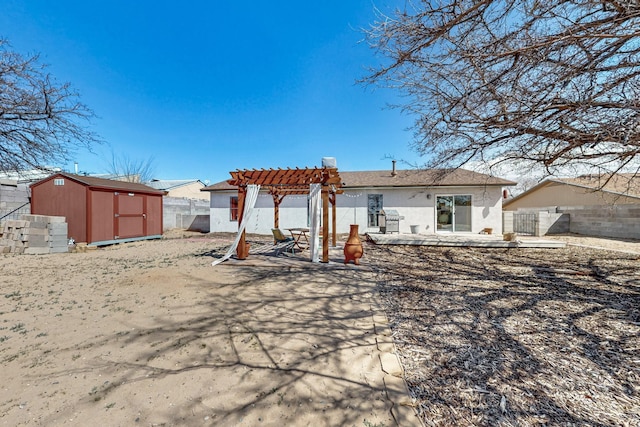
206,87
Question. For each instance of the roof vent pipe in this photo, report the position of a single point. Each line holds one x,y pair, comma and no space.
393,168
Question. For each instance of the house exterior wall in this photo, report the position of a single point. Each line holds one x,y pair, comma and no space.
189,191
351,208
559,194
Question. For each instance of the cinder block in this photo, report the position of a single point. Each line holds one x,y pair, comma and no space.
5,249
58,227
17,223
36,240
58,241
36,251
31,231
59,249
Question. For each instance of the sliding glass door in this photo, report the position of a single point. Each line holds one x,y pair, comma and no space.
453,213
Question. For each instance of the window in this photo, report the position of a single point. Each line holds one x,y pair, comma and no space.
453,213
374,206
58,181
233,208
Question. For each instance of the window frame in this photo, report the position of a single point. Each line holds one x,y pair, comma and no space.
233,209
372,216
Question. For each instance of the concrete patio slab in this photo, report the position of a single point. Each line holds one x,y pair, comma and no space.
466,240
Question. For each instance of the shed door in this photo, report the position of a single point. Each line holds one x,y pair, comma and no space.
130,218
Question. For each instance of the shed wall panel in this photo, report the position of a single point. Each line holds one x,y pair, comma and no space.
154,215
67,200
101,219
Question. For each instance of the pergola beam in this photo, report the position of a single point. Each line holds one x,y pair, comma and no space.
283,182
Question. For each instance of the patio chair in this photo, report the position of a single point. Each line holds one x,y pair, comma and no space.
282,242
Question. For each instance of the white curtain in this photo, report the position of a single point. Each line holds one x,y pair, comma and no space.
314,229
247,212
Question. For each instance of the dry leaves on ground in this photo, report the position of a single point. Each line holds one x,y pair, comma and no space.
515,337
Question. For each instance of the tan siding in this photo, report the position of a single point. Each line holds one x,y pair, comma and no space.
189,191
558,194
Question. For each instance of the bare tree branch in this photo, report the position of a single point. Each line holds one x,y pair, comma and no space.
554,83
41,122
130,170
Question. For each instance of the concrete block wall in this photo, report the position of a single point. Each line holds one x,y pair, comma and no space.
193,222
13,196
552,223
620,221
34,234
507,222
190,214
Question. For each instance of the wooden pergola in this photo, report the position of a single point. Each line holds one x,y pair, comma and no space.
284,182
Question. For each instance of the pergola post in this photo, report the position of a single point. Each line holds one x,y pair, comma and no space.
332,199
241,251
276,210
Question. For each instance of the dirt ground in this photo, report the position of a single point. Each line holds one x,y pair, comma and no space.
517,337
148,333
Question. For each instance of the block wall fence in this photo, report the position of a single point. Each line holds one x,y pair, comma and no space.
618,221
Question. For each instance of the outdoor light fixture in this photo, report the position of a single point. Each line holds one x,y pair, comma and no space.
428,195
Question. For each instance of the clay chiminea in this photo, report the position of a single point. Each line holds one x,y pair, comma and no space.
353,248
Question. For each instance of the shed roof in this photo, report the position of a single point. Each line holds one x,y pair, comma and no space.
108,184
403,178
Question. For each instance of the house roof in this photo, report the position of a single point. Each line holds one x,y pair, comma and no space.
170,184
404,178
26,176
626,184
622,183
103,183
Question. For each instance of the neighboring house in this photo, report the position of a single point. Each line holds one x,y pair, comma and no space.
29,175
185,188
431,201
586,190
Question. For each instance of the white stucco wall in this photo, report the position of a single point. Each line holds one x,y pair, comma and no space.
413,204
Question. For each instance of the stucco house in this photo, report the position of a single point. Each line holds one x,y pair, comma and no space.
585,190
428,201
183,188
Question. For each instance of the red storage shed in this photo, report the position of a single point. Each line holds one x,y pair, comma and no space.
100,211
